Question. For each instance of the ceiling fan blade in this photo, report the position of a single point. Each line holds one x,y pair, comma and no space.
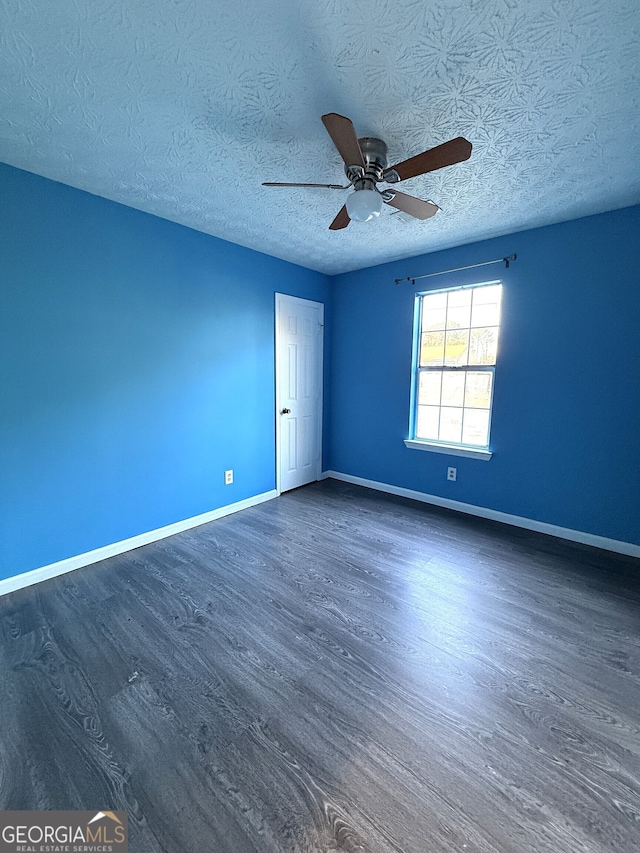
343,134
414,206
325,186
341,220
454,151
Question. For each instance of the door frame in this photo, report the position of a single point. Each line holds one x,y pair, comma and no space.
281,297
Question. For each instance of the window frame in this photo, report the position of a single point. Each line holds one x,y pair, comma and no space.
482,452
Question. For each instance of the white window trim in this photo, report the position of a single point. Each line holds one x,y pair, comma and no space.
482,453
448,449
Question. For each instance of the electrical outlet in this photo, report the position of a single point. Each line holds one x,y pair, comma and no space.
452,474
228,477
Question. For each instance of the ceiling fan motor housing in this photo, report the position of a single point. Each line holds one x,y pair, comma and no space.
374,154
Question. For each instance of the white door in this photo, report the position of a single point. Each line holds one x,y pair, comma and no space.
299,338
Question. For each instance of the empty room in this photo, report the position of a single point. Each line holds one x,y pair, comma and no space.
319,417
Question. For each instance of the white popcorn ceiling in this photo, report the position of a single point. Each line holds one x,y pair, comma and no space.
183,107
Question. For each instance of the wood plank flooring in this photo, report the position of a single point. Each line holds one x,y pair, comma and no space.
334,670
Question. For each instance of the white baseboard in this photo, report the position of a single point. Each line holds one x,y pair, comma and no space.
619,547
86,559
72,563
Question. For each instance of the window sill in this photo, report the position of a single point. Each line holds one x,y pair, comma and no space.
448,449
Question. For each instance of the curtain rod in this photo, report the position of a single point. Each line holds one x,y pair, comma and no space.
506,261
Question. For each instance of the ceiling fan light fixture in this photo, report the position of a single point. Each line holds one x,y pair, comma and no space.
364,205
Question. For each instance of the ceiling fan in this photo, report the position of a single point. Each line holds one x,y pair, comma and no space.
365,165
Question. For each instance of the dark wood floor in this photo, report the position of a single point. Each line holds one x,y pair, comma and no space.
334,670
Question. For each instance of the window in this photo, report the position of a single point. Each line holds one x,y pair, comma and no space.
456,344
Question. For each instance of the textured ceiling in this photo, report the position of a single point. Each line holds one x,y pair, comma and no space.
183,107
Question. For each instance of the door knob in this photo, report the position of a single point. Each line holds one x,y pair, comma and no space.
285,412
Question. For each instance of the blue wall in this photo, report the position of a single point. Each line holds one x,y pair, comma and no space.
136,365
137,356
566,421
